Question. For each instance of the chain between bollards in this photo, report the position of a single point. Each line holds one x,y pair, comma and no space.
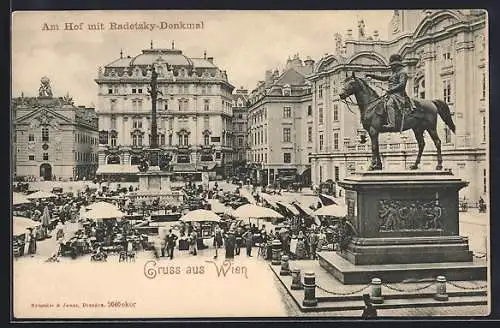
409,290
467,288
344,294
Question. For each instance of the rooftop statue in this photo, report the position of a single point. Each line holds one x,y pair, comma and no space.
45,89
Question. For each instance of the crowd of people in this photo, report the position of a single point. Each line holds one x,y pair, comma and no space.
230,234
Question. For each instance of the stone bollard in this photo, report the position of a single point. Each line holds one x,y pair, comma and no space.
276,252
296,280
441,294
285,266
376,291
310,290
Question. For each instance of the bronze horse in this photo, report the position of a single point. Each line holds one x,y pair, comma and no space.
372,109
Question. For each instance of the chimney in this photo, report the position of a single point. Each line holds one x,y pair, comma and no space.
349,34
210,59
269,76
309,61
309,64
375,35
338,43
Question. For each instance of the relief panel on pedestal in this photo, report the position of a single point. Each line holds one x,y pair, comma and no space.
410,215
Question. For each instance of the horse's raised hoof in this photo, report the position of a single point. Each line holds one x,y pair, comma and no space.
439,167
414,167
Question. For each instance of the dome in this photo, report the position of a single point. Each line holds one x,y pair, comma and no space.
172,57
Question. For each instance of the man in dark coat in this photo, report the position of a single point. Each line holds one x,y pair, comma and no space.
230,243
171,239
248,237
397,96
239,240
369,312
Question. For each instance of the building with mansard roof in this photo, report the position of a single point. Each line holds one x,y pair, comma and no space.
53,138
280,125
194,113
445,55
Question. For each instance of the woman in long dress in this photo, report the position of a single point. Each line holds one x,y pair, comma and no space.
300,251
230,244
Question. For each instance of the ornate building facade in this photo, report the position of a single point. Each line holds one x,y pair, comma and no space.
240,127
280,125
194,112
445,53
53,138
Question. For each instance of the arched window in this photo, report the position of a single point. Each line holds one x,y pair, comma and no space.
206,139
45,134
183,138
137,140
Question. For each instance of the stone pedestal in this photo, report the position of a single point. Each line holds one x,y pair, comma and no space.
154,180
402,218
154,184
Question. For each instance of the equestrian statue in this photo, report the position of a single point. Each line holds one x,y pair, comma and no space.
395,111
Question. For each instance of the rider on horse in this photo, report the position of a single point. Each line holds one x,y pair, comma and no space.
397,97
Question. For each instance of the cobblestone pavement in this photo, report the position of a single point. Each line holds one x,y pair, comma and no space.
186,295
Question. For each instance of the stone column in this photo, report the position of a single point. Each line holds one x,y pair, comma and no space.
465,90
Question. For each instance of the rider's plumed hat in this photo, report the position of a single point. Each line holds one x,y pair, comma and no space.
395,60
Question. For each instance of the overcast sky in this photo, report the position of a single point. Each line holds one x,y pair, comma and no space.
244,44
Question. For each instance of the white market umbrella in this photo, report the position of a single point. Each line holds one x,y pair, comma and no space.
248,211
200,216
102,212
18,199
100,205
21,225
332,210
41,195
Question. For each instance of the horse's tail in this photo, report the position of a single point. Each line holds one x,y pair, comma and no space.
444,113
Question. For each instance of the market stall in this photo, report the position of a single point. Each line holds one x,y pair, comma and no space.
204,220
21,234
41,195
252,212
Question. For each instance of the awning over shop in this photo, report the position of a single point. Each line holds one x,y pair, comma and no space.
117,169
190,167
